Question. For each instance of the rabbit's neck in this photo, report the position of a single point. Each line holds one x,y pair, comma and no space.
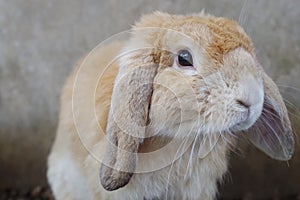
159,152
189,168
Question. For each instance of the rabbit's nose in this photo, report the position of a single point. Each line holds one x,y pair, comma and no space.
244,107
248,101
250,97
250,92
243,103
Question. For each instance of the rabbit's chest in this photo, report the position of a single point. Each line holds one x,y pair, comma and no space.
189,177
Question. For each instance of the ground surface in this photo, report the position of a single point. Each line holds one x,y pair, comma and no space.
37,193
44,193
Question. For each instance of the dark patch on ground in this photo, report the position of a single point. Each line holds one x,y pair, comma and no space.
44,193
37,193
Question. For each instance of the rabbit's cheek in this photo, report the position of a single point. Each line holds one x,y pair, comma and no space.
171,113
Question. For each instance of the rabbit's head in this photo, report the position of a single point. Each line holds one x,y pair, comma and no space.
186,75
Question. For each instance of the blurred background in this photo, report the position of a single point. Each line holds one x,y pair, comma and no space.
41,40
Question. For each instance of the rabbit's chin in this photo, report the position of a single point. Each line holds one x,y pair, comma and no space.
241,127
244,125
249,120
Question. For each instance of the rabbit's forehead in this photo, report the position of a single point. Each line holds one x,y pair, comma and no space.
217,36
227,36
208,37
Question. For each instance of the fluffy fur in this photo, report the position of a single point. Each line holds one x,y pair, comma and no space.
157,130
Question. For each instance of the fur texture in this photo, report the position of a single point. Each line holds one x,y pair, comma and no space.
155,129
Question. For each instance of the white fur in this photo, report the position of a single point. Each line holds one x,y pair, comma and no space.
179,180
66,178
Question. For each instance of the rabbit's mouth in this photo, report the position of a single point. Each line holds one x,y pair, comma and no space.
245,116
247,119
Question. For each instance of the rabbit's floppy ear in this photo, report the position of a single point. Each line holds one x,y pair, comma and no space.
272,132
128,116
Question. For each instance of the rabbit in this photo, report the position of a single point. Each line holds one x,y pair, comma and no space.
156,116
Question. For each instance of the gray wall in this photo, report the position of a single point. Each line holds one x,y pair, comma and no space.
41,40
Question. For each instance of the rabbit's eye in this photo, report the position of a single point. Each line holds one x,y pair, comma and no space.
185,58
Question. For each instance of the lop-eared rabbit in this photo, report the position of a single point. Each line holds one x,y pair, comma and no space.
155,116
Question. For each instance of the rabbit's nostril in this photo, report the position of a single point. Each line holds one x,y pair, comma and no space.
244,107
243,103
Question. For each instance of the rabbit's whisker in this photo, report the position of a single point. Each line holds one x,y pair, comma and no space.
290,87
274,132
190,161
179,151
242,13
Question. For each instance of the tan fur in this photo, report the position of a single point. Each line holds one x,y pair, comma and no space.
225,33
157,131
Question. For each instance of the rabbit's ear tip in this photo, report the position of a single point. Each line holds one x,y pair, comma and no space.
290,145
115,179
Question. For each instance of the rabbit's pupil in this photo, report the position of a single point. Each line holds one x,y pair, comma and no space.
185,58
